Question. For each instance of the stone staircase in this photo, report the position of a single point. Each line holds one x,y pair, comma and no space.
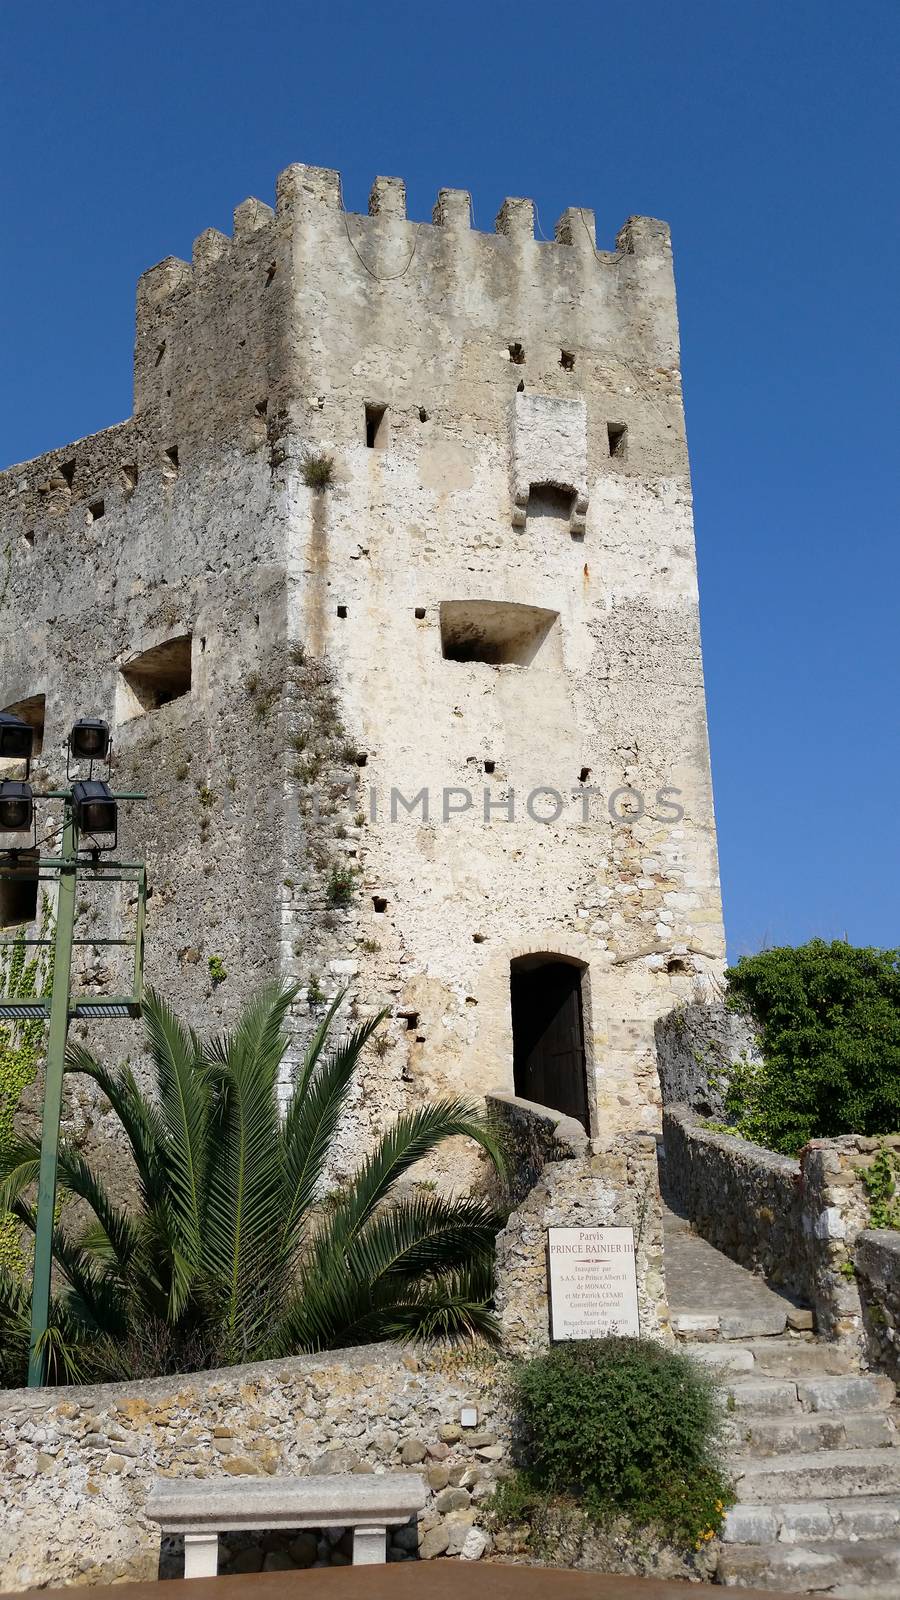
812,1440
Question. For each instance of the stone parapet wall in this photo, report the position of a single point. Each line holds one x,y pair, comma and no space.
877,1259
696,1047
610,1185
799,1222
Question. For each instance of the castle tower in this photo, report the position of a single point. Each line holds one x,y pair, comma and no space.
388,589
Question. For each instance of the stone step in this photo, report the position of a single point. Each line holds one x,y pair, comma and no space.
786,1357
812,1568
756,1322
803,1521
783,1397
820,1474
822,1430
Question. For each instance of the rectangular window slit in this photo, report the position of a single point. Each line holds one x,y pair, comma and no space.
19,890
376,427
420,613
96,509
379,902
617,434
342,611
517,354
566,360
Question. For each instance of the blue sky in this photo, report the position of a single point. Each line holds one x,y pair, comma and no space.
764,131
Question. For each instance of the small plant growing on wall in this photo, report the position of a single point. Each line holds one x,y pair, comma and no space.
315,994
317,471
340,886
217,970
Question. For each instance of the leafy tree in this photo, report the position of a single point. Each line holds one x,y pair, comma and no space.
230,1254
829,1021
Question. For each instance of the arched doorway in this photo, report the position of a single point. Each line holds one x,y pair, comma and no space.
548,1034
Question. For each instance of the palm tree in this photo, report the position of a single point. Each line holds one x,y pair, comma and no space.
232,1253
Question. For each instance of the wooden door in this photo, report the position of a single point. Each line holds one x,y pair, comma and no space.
548,1037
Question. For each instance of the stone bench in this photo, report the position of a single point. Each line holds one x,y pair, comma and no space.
369,1503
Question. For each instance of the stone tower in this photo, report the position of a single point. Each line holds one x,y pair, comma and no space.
388,590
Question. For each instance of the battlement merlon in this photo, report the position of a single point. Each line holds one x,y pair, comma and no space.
308,245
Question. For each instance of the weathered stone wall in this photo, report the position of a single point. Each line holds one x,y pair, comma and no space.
877,1260
799,1222
503,363
696,1046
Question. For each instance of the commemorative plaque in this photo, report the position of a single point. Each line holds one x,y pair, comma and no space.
593,1282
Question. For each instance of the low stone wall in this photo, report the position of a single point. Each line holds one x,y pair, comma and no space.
696,1047
745,1200
799,1222
877,1259
78,1464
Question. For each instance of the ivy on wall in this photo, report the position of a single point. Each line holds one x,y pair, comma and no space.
22,977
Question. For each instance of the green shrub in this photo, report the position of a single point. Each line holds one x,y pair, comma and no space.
829,1021
627,1427
217,970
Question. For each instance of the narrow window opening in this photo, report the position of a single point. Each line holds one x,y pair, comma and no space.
342,611
32,711
202,645
499,632
420,613
489,766
517,354
261,407
566,360
172,458
154,678
129,477
270,272
379,902
96,510
584,774
28,536
161,350
376,427
617,434
19,891
410,1018
67,468
520,386
361,758
423,414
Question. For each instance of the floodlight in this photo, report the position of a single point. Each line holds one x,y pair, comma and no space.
16,737
89,739
16,805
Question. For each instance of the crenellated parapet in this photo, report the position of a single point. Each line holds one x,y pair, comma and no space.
326,264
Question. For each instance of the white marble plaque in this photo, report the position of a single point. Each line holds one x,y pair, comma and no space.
593,1282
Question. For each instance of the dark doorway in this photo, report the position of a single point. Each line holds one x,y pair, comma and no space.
548,1035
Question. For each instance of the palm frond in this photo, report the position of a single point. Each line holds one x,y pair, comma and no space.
140,1118
412,1137
20,1165
312,1117
316,1045
421,1234
118,1231
184,1093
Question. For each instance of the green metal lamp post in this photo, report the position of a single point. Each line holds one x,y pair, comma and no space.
62,1007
